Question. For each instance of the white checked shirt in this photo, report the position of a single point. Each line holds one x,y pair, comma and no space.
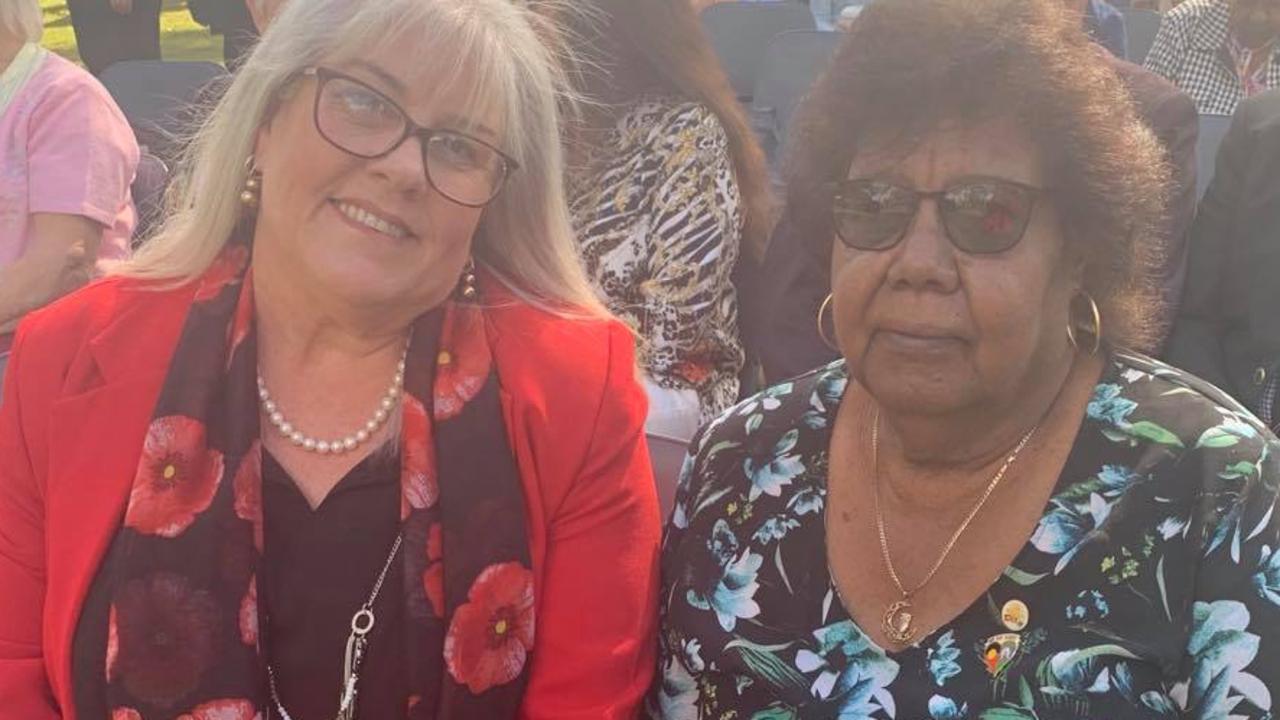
1191,51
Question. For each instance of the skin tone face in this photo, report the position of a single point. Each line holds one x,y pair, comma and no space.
1256,22
412,259
931,330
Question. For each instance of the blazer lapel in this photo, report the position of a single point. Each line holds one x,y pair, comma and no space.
94,445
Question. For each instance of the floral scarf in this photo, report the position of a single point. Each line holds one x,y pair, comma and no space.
171,625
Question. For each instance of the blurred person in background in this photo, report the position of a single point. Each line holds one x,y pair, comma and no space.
1105,24
108,31
68,158
990,506
1219,51
232,19
668,194
1228,329
351,434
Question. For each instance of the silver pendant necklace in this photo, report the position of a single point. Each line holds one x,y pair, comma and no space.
357,643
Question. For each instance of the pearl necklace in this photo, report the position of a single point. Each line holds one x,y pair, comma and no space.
348,443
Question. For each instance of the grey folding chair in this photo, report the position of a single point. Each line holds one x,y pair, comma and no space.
1212,129
1140,26
160,98
740,33
148,194
792,62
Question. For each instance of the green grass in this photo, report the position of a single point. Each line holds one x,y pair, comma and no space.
180,37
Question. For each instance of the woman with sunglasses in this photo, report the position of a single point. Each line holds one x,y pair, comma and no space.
311,454
992,506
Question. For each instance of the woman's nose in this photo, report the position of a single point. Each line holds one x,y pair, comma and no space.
925,259
405,167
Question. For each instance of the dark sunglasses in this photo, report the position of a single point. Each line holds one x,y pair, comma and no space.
981,215
358,119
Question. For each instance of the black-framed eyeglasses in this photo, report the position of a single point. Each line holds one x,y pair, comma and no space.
358,119
981,215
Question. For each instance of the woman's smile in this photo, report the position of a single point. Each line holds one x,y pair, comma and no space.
365,218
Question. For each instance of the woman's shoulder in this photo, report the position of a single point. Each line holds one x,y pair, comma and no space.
786,418
1145,401
670,119
60,80
128,307
1192,12
565,361
105,301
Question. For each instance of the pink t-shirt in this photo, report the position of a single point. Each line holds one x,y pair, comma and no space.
65,147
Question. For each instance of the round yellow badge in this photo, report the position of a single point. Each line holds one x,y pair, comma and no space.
1015,615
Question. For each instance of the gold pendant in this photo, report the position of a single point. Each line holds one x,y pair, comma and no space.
897,623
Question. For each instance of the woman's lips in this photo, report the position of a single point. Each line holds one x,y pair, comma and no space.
916,342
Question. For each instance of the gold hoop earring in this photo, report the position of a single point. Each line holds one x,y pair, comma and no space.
822,330
1095,331
251,194
467,284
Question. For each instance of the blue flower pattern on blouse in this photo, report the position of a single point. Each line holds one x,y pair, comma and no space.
1152,577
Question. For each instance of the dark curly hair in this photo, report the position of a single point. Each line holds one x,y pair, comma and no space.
908,67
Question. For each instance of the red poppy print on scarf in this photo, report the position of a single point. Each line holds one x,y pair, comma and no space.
225,270
248,491
176,480
167,637
462,365
433,576
492,633
418,484
249,614
223,710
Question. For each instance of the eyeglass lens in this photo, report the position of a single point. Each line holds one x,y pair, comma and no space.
980,216
363,122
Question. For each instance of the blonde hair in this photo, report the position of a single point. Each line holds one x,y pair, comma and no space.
524,238
22,19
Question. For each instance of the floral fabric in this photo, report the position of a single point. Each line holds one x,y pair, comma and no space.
1152,579
171,627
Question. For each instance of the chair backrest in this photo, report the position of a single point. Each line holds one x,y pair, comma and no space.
1140,26
158,97
1212,129
791,63
740,33
148,194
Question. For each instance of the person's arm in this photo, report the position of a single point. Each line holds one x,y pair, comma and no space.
597,627
59,258
695,240
1212,253
25,693
81,160
1167,51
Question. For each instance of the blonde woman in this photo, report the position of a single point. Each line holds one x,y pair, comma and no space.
351,435
67,158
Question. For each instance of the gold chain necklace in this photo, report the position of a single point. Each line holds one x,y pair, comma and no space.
898,622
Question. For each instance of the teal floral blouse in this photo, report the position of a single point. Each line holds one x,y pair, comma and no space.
1151,584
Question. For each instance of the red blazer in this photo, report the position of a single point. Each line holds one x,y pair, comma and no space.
79,393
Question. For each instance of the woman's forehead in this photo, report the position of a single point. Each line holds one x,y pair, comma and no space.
1000,148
